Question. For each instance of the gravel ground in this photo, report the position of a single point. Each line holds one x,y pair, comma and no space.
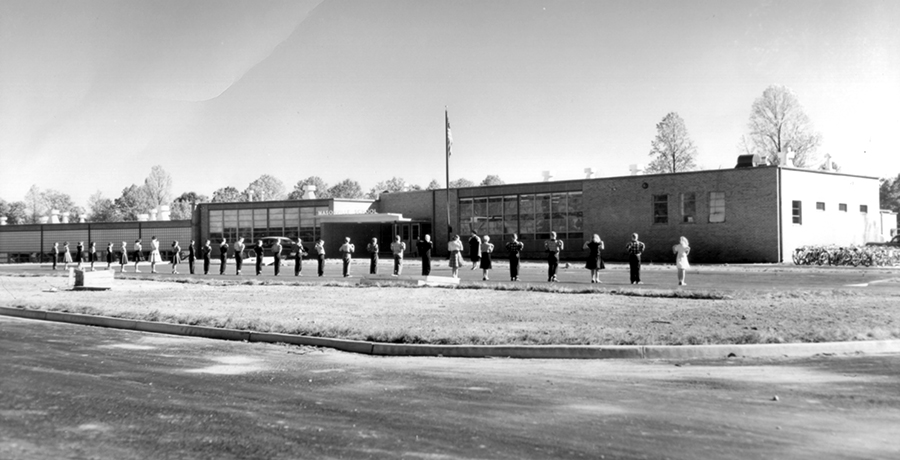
479,316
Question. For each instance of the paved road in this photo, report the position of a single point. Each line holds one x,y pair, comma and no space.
701,277
71,391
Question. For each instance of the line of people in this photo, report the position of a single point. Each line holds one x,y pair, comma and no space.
480,254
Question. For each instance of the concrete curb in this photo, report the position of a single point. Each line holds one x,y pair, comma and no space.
676,352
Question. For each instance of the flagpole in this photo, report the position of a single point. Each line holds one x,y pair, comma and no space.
447,157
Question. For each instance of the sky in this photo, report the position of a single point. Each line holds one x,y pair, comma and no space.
95,93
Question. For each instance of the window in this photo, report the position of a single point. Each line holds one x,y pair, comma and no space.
716,207
532,216
660,209
820,206
688,208
863,208
797,212
842,207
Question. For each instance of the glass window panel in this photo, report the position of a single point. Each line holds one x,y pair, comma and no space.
307,217
542,204
717,207
510,206
575,202
230,218
480,209
276,217
215,222
559,203
660,209
688,208
495,206
259,218
291,218
465,209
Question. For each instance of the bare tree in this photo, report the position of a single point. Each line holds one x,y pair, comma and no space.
392,185
672,148
265,188
35,206
157,189
102,209
434,185
461,182
778,124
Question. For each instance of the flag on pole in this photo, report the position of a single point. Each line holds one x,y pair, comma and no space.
449,135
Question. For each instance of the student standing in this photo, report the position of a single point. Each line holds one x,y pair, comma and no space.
192,257
155,256
109,255
398,248
205,252
373,256
176,257
138,255
238,256
54,254
320,255
514,249
259,251
635,248
681,250
79,251
92,254
486,249
424,248
67,257
347,255
553,247
474,249
276,253
594,262
298,257
223,255
455,248
123,256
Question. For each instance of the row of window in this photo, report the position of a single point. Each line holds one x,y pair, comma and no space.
688,206
797,210
253,224
532,216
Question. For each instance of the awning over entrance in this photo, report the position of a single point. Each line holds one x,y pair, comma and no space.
362,218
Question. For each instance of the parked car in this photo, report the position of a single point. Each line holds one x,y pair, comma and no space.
894,242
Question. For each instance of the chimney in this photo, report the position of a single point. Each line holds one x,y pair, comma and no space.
309,192
3,220
164,212
65,217
636,169
547,175
588,173
54,216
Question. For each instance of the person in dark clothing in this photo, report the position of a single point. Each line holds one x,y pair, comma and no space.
205,251
223,255
192,257
514,249
474,249
54,254
634,249
373,256
258,251
424,248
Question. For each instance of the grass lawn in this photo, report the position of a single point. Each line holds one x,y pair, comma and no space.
479,315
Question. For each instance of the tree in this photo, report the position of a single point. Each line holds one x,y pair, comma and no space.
346,189
14,212
183,206
321,188
227,195
434,185
35,206
889,194
131,204
102,209
157,188
392,185
461,182
672,149
778,124
54,199
492,179
265,188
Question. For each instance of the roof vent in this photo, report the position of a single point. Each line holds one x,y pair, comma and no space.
748,161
